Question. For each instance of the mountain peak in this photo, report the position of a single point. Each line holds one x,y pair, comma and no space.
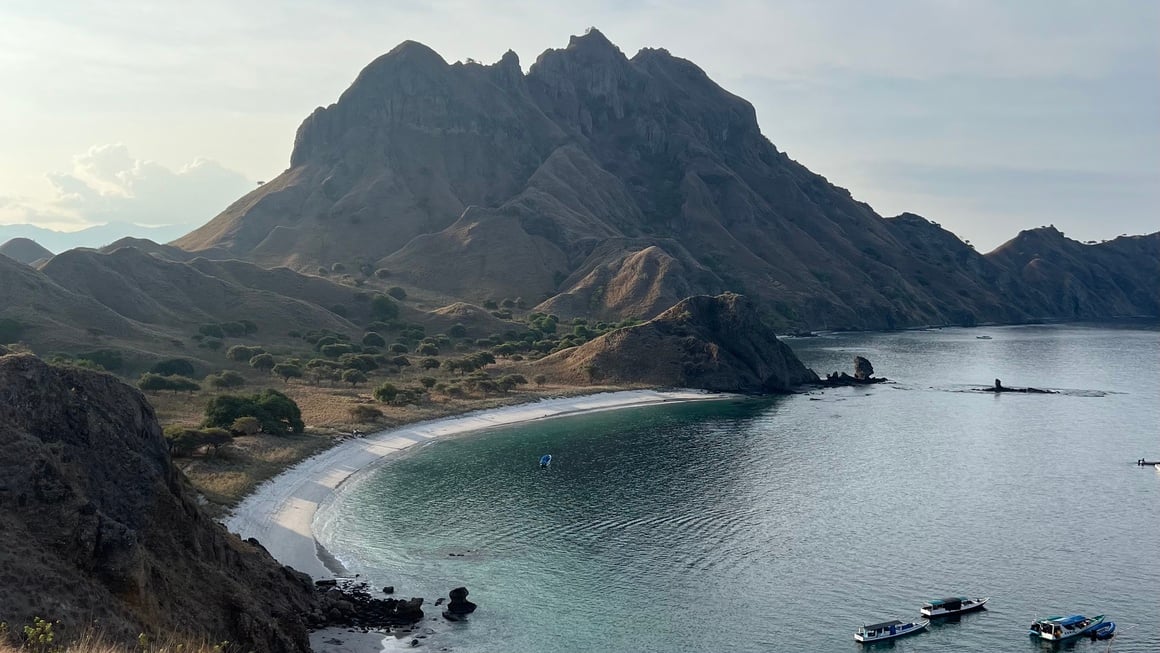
24,250
592,39
413,51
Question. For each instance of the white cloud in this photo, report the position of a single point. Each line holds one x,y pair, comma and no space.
107,184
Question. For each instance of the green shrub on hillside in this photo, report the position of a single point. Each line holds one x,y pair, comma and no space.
109,359
173,367
184,441
382,308
225,380
365,414
264,362
150,382
287,371
211,331
353,377
277,413
242,353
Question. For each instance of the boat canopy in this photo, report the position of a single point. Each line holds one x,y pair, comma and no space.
884,624
951,601
1072,620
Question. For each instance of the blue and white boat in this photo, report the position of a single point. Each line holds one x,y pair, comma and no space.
1055,629
888,630
545,460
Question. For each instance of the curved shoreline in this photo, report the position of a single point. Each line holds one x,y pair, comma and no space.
280,513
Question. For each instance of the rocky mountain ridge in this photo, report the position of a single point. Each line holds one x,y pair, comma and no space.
605,186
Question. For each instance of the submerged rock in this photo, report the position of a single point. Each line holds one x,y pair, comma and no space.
999,387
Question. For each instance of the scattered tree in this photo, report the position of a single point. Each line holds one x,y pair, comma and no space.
277,413
211,331
287,371
264,362
225,380
397,292
242,353
386,392
173,366
372,339
353,377
383,308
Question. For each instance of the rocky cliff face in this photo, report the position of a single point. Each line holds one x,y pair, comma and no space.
98,525
715,343
605,186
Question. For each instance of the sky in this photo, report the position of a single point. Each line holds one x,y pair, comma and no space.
986,116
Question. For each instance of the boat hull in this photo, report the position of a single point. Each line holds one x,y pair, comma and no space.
899,632
936,613
1066,634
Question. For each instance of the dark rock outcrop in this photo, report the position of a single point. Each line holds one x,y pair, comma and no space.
863,375
458,606
351,604
98,524
863,370
715,343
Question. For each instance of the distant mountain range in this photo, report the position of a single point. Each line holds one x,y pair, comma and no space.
594,186
98,236
602,186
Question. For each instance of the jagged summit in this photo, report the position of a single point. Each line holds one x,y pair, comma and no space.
601,186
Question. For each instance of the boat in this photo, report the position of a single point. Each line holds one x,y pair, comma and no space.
888,630
982,337
952,606
1106,630
545,460
1055,629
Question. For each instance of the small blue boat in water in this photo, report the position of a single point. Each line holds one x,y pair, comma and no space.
545,460
1106,630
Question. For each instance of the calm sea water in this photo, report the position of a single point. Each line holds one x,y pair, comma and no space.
784,524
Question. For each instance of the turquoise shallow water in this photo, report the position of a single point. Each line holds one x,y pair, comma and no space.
784,524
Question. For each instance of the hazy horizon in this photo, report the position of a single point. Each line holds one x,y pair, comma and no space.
986,117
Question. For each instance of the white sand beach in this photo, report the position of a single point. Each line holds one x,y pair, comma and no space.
280,514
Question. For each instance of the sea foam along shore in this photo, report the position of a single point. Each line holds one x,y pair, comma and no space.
280,513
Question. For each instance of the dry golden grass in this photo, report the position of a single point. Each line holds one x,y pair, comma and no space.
92,641
238,469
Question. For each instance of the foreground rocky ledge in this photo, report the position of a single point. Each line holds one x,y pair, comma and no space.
99,527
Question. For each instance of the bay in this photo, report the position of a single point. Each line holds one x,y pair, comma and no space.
783,524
